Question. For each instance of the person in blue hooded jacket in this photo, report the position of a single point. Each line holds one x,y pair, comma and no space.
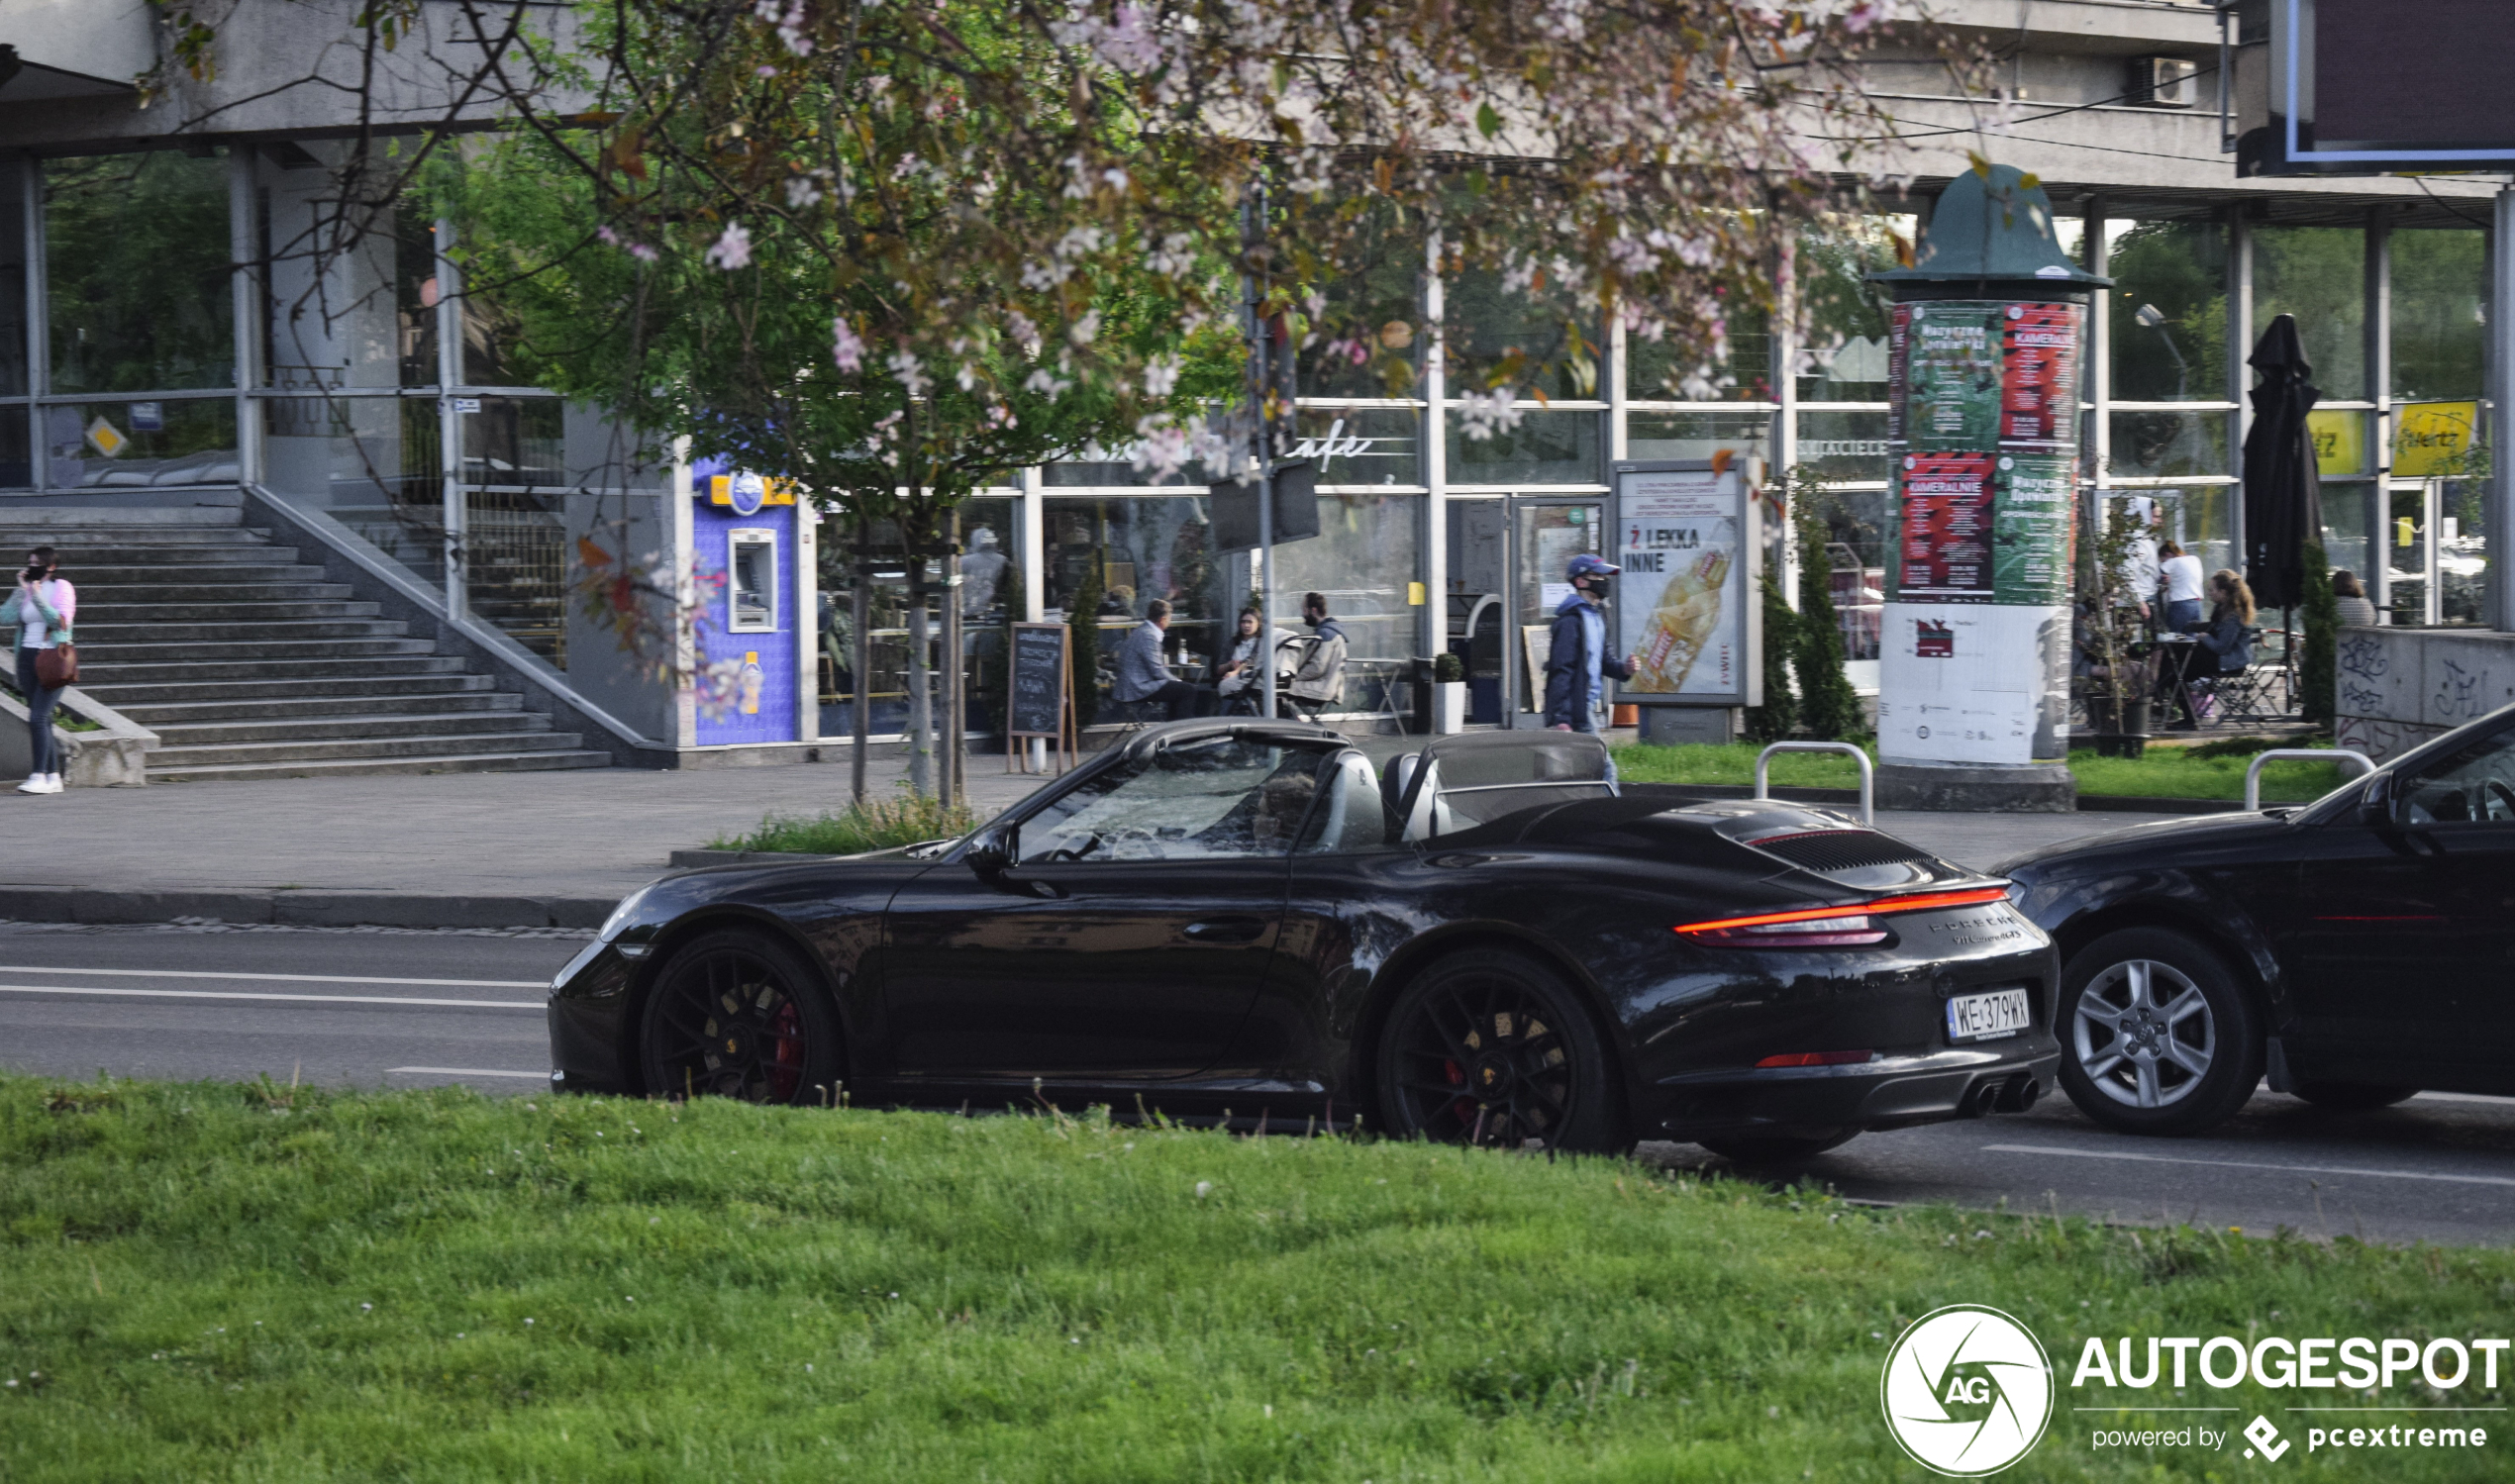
1583,653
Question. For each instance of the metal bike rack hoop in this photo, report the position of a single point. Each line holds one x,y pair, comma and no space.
2253,769
1868,775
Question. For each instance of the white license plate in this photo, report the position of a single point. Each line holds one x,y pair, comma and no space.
1989,1017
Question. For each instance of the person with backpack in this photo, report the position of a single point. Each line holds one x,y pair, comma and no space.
40,611
1583,653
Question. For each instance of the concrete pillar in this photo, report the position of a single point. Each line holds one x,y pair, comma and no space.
458,515
2239,337
2379,390
39,340
246,298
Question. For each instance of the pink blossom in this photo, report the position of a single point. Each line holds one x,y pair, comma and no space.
732,249
846,348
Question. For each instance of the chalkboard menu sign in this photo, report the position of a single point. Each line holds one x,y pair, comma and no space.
1040,701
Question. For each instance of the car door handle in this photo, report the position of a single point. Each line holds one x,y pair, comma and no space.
1225,930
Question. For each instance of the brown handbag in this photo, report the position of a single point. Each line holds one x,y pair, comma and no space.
57,666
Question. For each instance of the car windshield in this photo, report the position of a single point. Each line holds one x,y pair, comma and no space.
1219,796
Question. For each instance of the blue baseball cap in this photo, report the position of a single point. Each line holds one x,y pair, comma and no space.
1587,566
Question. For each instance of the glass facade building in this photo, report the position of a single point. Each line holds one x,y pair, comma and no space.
166,321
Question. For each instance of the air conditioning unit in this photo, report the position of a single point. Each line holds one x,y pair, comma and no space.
2162,82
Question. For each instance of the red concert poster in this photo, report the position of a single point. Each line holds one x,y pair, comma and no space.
2039,373
1945,549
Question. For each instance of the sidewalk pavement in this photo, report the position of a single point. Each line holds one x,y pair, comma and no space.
511,850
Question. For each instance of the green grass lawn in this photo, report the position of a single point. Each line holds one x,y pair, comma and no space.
213,1282
2164,773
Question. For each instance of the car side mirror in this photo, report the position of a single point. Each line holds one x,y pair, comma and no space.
991,850
2376,801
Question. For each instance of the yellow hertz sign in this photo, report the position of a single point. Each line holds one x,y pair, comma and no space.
2340,442
720,490
2432,438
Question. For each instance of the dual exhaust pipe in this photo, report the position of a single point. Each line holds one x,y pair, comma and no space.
2006,1095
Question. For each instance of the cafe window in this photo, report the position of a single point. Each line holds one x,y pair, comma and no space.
2319,275
2438,280
2167,313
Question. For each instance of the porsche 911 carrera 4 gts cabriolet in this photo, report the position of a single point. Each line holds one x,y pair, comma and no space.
1486,941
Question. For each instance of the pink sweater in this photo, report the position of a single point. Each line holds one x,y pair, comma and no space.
33,633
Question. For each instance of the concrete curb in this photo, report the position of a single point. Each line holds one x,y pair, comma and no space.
305,909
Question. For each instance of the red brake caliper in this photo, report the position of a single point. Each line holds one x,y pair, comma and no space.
787,1029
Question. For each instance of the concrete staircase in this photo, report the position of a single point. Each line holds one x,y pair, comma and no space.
249,664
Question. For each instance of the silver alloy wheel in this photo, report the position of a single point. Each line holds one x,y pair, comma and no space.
2144,1032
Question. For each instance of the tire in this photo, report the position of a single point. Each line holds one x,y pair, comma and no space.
1777,1149
2157,1035
736,1014
2353,1097
1506,1024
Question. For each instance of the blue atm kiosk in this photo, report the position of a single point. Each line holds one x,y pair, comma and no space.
751,538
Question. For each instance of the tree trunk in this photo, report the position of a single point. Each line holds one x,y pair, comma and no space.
860,609
921,700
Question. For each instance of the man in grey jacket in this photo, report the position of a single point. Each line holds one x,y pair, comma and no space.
1142,676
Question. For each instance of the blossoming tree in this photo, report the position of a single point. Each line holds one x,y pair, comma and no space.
896,248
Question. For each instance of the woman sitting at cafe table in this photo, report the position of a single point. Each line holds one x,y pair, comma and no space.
2221,644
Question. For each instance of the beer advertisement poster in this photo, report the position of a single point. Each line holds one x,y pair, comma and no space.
1680,611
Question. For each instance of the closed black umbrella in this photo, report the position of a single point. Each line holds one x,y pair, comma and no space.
2283,494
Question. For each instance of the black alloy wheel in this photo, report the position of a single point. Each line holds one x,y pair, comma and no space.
736,1015
2353,1097
2157,1035
1493,1049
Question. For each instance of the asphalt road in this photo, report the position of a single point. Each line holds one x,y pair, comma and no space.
417,1009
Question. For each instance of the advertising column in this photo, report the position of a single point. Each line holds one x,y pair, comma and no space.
1974,694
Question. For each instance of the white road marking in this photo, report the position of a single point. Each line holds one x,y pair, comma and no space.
2246,1164
2458,1097
238,994
19,969
467,1071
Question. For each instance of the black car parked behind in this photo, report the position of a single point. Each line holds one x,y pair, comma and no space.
2355,950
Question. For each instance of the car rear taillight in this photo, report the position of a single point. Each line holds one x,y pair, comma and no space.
1849,925
1818,1058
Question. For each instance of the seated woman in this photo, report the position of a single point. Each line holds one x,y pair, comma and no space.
1235,679
2221,646
2350,601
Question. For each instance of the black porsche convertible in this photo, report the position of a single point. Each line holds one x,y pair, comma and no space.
1486,941
2353,951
